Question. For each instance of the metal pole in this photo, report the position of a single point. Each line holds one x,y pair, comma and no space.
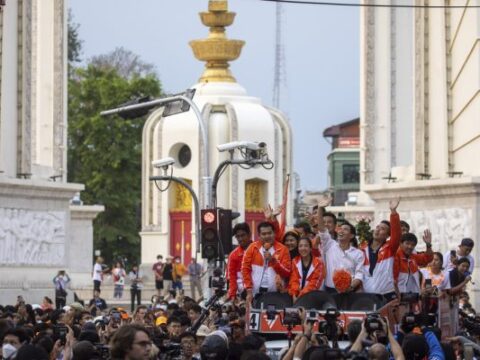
206,180
195,202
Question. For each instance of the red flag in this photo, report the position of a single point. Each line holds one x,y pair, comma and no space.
283,214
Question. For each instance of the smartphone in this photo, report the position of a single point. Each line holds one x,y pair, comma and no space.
428,283
60,333
453,253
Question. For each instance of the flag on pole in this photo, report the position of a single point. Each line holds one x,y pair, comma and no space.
283,214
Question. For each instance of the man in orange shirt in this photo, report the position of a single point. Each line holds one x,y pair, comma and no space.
243,235
264,261
407,263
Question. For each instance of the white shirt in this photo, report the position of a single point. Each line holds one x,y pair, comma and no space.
97,272
351,259
449,266
441,280
265,281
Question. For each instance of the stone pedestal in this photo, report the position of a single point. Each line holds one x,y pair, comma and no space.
40,234
450,208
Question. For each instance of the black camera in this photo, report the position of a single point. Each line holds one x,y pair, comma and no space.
217,281
409,298
171,350
60,333
103,351
271,312
373,323
312,316
331,315
291,317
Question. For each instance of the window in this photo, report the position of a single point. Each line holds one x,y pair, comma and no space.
351,173
184,155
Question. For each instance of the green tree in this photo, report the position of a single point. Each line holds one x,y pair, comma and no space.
104,153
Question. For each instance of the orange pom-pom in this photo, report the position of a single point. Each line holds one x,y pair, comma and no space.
342,279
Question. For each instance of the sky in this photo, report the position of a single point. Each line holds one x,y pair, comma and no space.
322,58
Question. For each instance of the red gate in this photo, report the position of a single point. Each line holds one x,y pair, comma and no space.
181,235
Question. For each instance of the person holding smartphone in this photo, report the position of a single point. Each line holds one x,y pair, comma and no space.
434,276
464,249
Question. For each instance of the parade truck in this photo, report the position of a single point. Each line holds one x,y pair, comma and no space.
276,318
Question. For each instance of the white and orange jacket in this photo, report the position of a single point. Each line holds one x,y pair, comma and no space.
257,274
314,280
381,281
405,267
234,272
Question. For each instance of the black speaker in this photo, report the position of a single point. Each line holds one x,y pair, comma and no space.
280,300
318,300
363,302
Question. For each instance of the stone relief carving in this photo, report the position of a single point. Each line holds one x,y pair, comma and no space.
448,226
32,237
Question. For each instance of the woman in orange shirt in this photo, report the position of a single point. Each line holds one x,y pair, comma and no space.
308,271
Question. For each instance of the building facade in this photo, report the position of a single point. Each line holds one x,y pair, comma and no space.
40,232
230,114
420,132
344,160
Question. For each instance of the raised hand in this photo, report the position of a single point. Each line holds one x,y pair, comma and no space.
394,204
427,236
324,202
268,212
278,210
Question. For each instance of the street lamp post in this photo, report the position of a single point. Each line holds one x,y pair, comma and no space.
195,203
206,180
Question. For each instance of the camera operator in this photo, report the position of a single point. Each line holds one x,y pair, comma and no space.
310,346
375,330
418,339
189,346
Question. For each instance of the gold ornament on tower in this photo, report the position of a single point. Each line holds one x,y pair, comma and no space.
217,50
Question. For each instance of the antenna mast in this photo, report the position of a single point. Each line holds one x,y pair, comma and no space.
279,71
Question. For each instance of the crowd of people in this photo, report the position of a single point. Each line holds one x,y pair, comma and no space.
318,255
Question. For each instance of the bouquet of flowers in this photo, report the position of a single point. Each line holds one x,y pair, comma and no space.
364,231
342,279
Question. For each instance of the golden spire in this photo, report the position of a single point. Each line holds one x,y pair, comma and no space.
217,50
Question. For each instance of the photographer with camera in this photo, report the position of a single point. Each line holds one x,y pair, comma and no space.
263,261
376,330
307,271
136,285
406,265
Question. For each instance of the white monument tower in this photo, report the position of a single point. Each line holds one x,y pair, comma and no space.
230,115
40,232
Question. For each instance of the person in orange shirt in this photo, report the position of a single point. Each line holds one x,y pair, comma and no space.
264,260
406,265
178,271
308,271
243,235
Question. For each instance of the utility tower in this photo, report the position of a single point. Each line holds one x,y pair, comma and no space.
280,75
